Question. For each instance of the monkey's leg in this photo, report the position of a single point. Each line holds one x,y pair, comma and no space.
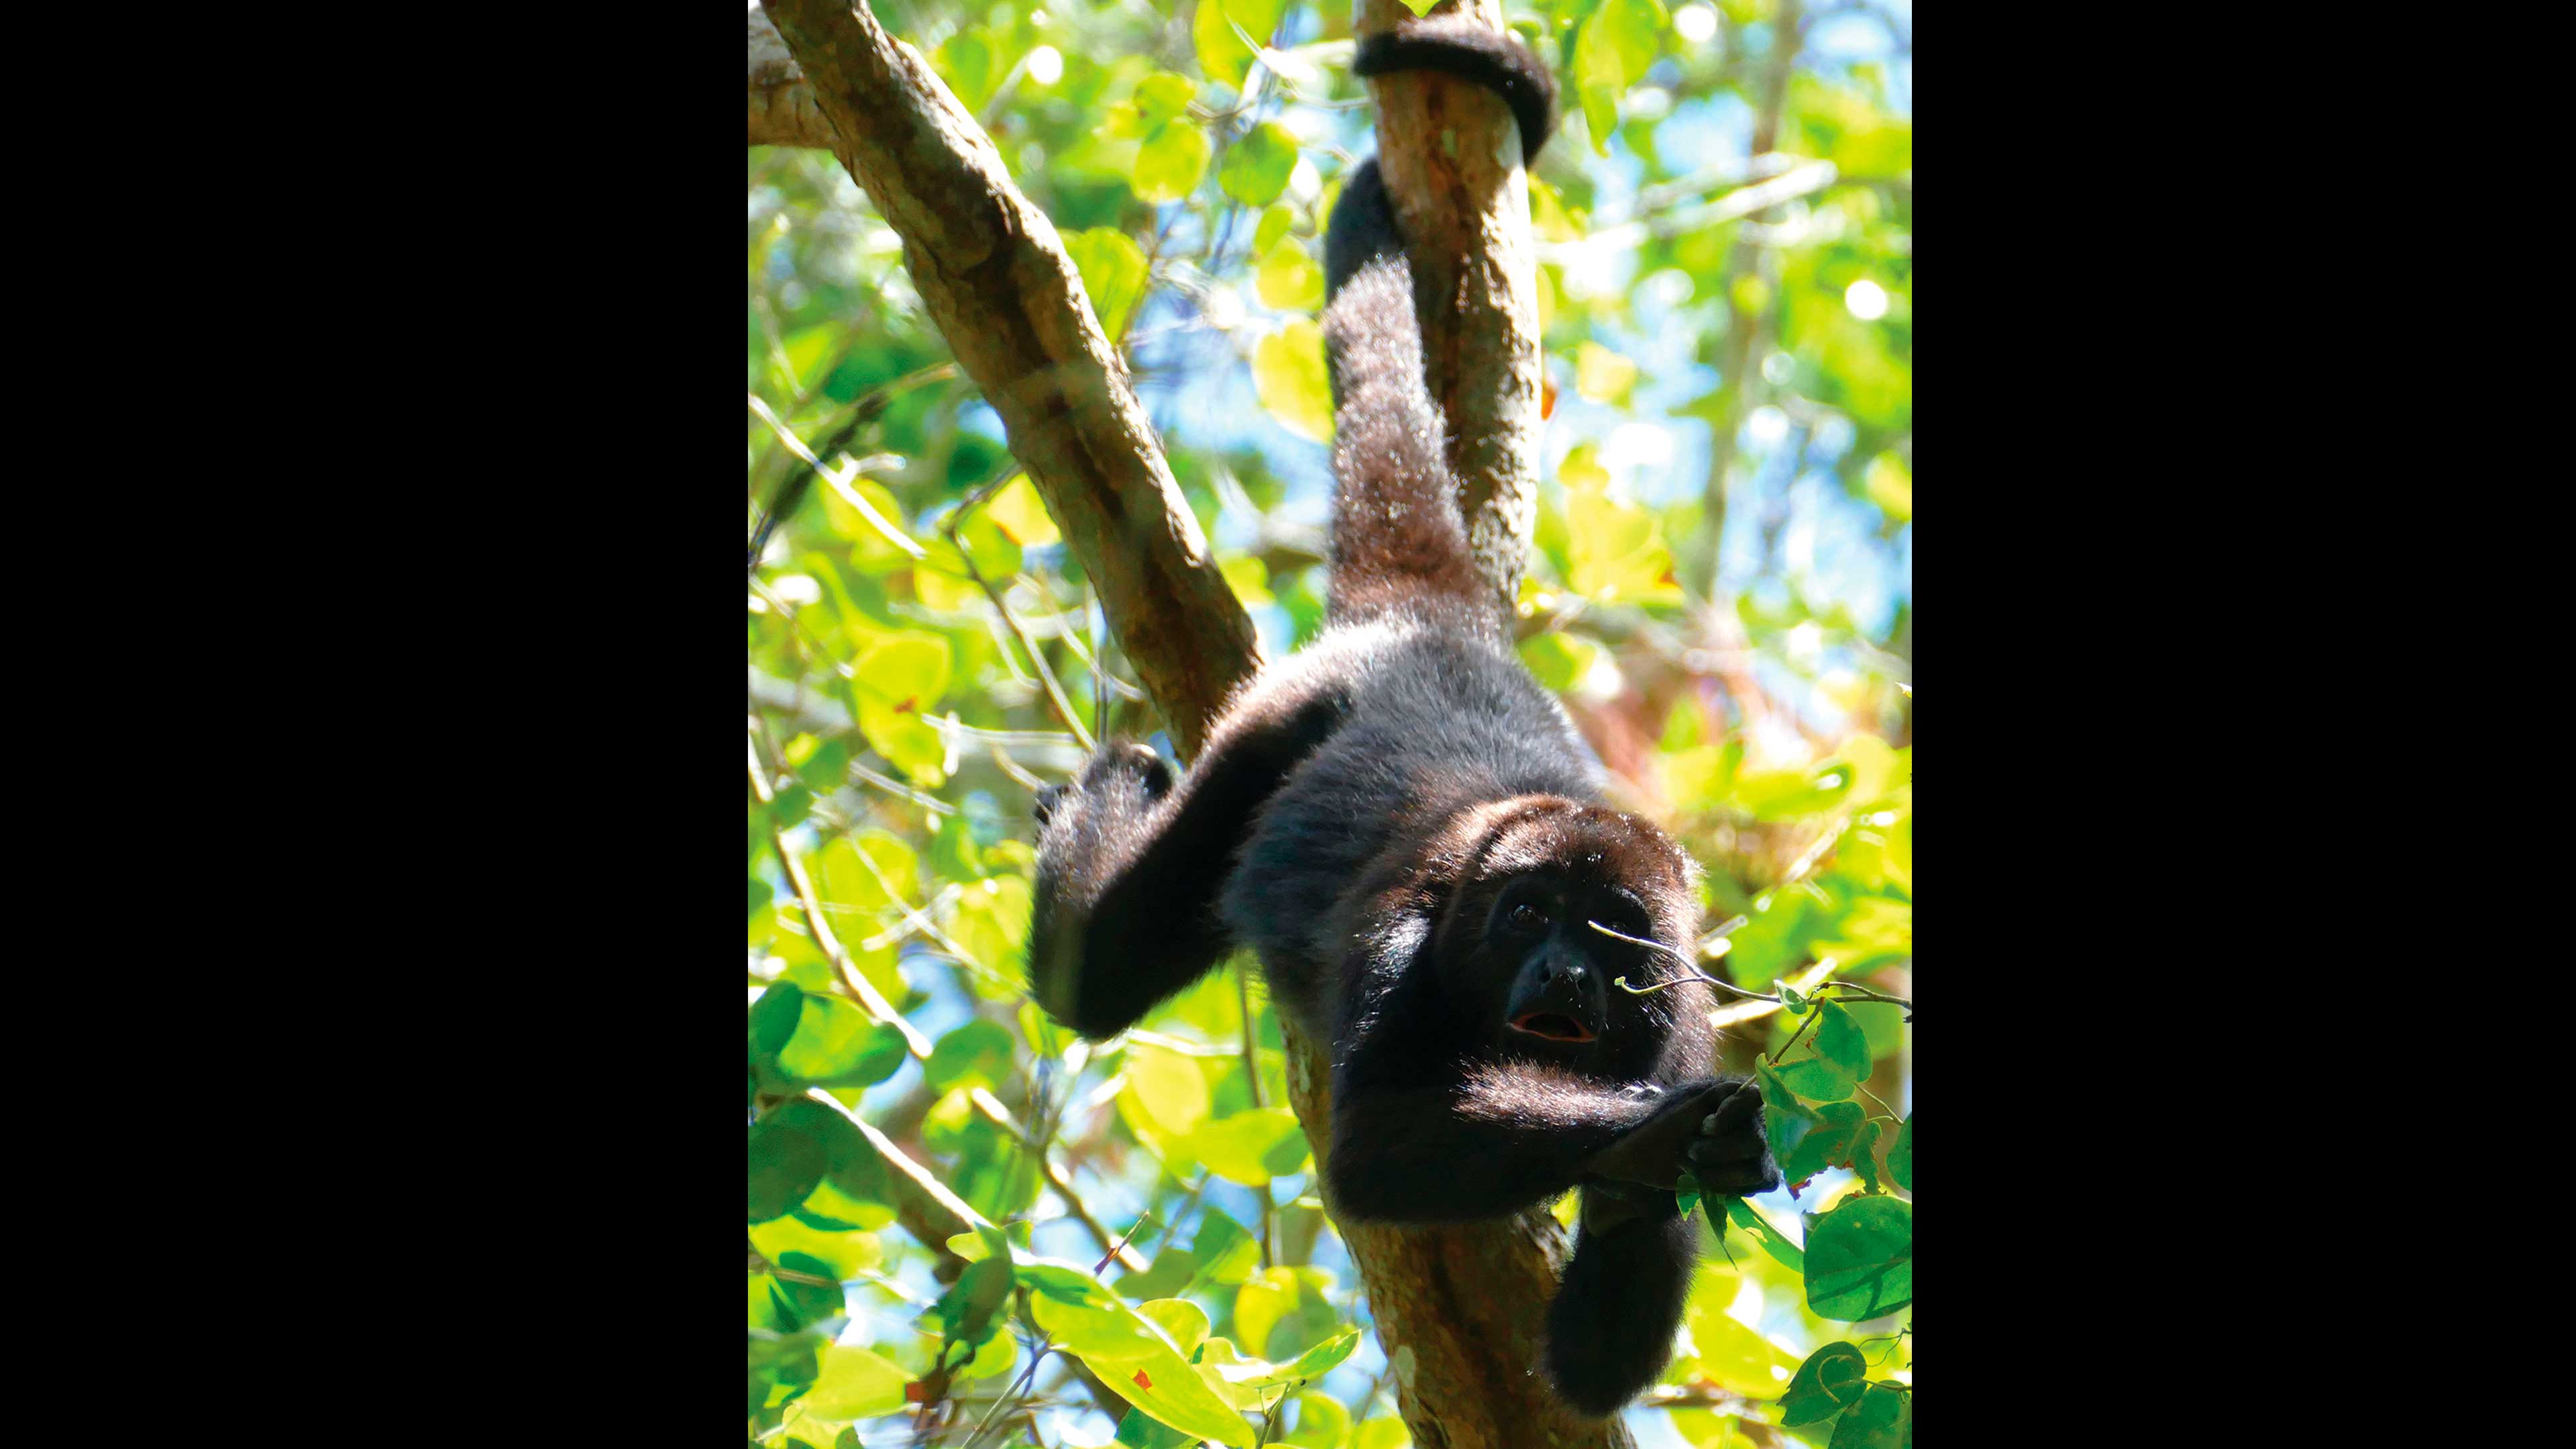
1130,864
1610,1326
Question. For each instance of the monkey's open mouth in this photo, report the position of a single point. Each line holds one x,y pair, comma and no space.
1554,1025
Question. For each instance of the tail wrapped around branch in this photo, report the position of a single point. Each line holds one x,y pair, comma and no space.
1399,544
1398,540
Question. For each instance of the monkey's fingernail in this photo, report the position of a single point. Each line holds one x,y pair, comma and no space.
1708,1123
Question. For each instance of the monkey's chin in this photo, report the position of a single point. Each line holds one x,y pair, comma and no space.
1551,1026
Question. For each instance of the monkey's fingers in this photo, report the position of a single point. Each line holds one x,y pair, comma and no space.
1734,1114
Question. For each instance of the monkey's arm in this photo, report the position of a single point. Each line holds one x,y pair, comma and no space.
1130,864
1501,1139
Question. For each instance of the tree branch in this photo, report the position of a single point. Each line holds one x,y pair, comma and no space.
783,109
1460,1309
1467,1305
1452,159
997,282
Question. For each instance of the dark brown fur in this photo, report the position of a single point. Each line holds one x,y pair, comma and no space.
1412,835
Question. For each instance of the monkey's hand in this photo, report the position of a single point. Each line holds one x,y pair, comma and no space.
1730,1154
1125,778
1088,829
1651,1154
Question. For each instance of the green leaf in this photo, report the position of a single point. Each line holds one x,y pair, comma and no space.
1385,1433
977,1054
1824,1385
1065,1282
1827,1142
1558,659
1226,1251
1817,1079
1900,1158
1137,1359
1787,1254
1288,375
1780,795
1162,96
843,1252
787,1160
995,553
1274,225
988,1241
1860,1259
1166,1096
1018,507
1613,49
1257,166
847,881
1890,485
1185,1322
970,1311
773,1017
854,1384
965,61
1735,1357
1140,1430
896,732
1615,550
1603,375
1172,1273
1114,272
1883,1419
1222,53
1251,1147
1264,1299
1864,1156
1839,1040
781,1359
1687,1194
1323,1358
804,1305
1321,1423
908,669
1288,278
1170,162
837,1045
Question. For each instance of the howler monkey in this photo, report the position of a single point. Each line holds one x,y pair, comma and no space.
1411,834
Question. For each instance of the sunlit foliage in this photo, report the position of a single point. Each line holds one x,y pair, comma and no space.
1720,585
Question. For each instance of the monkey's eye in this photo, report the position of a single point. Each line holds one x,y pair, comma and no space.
1526,917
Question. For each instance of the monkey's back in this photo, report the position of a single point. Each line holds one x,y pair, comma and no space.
1433,723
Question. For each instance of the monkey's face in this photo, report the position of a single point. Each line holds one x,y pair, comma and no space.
1531,944
1560,989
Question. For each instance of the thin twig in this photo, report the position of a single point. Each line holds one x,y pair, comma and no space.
792,491
1252,1077
1858,992
1046,675
844,971
918,1046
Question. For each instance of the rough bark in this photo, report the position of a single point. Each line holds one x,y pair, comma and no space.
1452,159
783,109
997,282
1459,1310
1466,1306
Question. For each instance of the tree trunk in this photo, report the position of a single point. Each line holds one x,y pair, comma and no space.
1460,1309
